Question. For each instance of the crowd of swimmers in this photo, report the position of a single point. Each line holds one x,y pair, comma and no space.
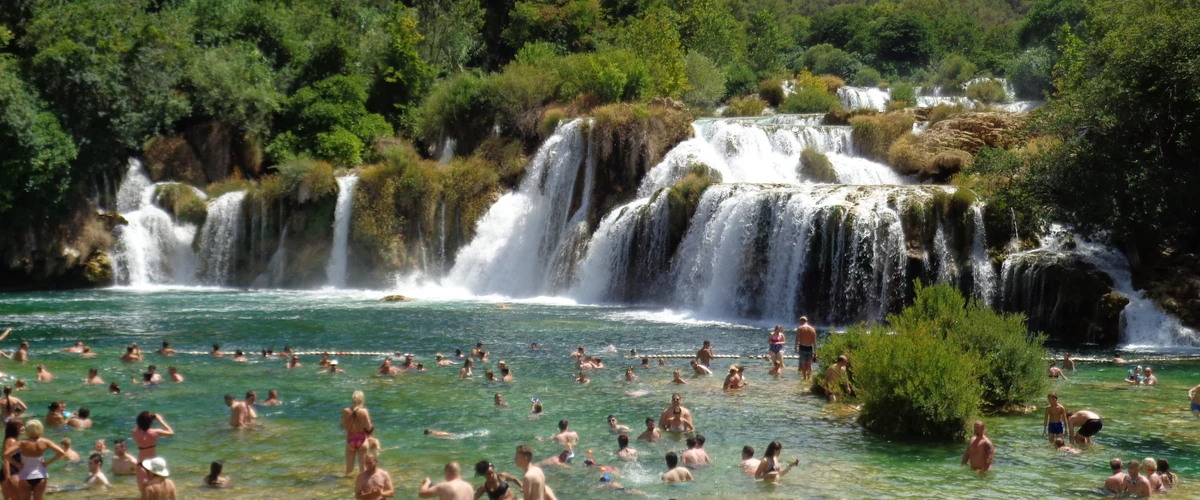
25,460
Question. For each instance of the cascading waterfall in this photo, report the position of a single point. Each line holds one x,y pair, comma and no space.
151,248
515,245
982,272
219,239
335,269
864,98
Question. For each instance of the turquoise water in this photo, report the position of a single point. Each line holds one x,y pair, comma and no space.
297,449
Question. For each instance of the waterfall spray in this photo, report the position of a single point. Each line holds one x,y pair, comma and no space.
335,269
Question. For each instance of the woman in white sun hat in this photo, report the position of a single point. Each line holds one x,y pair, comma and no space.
157,486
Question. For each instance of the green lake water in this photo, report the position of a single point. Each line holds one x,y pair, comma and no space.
297,449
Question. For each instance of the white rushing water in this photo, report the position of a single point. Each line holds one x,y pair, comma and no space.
520,242
151,248
335,269
219,239
853,98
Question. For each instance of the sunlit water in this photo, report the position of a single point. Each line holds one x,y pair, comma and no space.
296,452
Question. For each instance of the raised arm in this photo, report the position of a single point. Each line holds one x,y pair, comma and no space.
428,490
789,467
510,478
58,452
166,431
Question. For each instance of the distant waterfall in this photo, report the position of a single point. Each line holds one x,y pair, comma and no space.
151,248
335,269
219,239
853,98
982,272
517,243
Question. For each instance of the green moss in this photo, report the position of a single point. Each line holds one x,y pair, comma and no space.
816,167
945,111
98,270
506,157
745,106
182,202
216,189
304,179
815,99
684,197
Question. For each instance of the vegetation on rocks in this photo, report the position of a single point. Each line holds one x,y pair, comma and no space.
874,134
816,167
182,201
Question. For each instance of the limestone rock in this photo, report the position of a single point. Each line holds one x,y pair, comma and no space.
395,298
947,146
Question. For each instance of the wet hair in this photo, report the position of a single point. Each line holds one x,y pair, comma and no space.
119,442
66,442
843,359
1164,467
747,451
772,449
83,413
357,400
166,344
649,420
92,371
12,429
147,376
7,390
1053,395
537,407
481,467
1059,443
152,368
1115,464
96,457
691,442
171,368
113,387
623,440
229,398
562,424
214,471
251,394
504,371
216,347
238,353
129,349
458,352
525,451
700,440
56,406
1149,464
672,460
144,419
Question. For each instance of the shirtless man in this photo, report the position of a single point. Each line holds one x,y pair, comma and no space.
705,355
1055,372
578,353
442,361
375,483
1082,425
155,377
1135,483
732,381
75,349
166,349
333,368
565,437
534,485
478,352
174,374
251,415
669,412
131,355
272,398
833,377
123,464
629,375
240,357
614,427
1194,396
216,351
499,400
749,463
806,347
156,486
1054,422
93,378
81,419
453,489
651,434
20,355
324,360
43,375
293,362
1150,378
624,452
237,412
1068,363
442,434
386,369
408,363
1062,446
675,473
695,456
980,452
1115,484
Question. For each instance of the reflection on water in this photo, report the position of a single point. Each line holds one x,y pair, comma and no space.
297,450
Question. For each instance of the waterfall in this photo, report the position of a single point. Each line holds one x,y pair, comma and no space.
335,269
516,240
982,273
151,248
442,236
864,98
219,239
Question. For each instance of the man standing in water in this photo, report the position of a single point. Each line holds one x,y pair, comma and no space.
534,487
237,411
1055,419
675,473
453,489
669,413
565,437
1135,483
980,452
1115,484
806,347
123,464
652,434
705,355
374,483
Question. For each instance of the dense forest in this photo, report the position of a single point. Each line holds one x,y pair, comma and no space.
86,84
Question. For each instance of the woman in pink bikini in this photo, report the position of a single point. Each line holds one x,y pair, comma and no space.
147,439
357,423
778,342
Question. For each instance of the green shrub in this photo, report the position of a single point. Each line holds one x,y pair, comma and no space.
1030,73
305,179
987,91
832,83
339,146
706,82
684,196
328,120
874,134
771,90
505,156
470,186
740,79
827,59
867,77
182,202
945,111
537,53
952,72
816,167
613,75
745,106
460,107
915,384
228,185
905,93
810,100
519,94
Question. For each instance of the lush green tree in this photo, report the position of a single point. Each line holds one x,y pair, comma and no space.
451,30
825,59
654,39
571,24
234,84
1047,17
329,121
952,72
37,154
740,79
767,44
1127,113
709,28
903,40
401,77
840,25
1030,73
706,82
